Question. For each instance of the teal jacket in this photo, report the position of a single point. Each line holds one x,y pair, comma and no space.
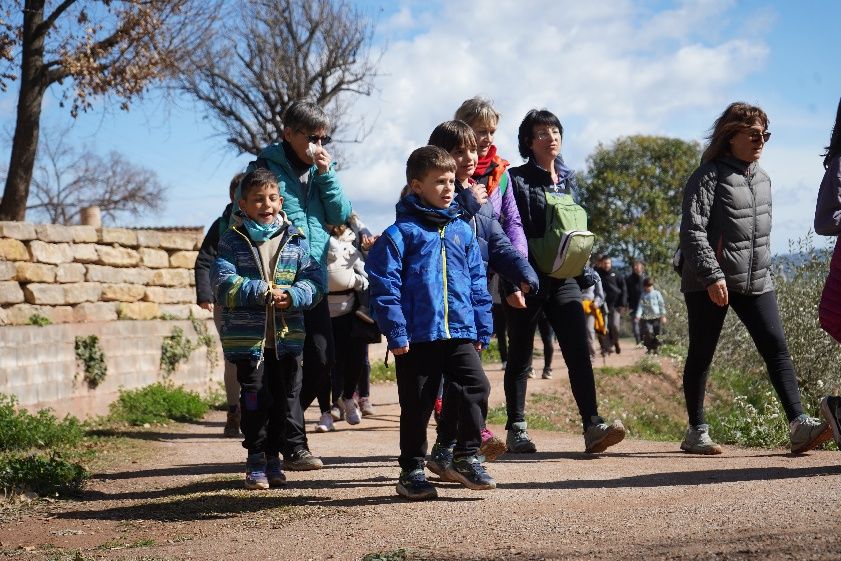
309,208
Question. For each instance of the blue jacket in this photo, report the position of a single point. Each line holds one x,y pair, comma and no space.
309,208
237,279
497,250
427,278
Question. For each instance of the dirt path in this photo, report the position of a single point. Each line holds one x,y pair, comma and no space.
643,500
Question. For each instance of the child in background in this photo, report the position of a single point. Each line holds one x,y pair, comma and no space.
429,296
457,138
651,313
205,299
263,278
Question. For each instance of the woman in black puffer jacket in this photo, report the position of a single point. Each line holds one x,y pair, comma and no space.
725,241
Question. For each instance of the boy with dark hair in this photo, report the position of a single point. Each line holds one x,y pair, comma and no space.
650,314
429,296
263,279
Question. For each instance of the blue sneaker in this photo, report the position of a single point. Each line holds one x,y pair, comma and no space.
414,486
471,473
274,474
255,471
439,460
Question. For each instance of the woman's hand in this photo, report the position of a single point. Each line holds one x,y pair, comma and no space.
516,300
718,292
322,160
400,351
206,306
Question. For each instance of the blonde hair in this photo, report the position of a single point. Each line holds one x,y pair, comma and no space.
477,111
735,118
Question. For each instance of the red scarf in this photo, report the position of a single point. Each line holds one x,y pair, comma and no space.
496,173
482,165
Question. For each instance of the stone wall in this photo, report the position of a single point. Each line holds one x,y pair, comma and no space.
79,274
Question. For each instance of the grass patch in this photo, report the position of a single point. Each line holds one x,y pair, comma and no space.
396,555
491,353
158,403
216,398
380,372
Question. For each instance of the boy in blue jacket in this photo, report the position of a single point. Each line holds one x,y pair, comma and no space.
429,296
264,278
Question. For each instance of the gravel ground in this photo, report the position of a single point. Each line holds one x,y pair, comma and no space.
641,500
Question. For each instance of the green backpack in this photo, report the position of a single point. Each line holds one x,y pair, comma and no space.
564,249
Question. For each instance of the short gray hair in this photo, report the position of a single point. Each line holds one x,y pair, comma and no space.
306,116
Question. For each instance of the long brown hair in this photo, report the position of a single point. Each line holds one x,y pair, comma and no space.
735,118
834,148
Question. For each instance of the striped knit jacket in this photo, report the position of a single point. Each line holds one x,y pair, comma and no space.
237,278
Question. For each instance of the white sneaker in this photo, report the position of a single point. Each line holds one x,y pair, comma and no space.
366,406
325,423
352,415
337,412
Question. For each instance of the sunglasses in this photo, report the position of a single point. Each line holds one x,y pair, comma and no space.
754,136
315,139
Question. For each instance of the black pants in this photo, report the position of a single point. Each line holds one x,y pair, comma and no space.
649,330
263,403
500,331
560,300
761,316
350,358
418,377
317,364
547,336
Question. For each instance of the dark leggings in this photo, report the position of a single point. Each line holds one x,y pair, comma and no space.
350,357
500,331
547,337
761,316
565,314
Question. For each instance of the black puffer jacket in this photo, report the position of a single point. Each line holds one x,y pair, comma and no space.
725,229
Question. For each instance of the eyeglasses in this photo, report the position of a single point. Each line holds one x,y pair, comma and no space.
754,136
546,134
315,139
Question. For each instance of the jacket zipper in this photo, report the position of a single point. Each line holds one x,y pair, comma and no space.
444,272
749,178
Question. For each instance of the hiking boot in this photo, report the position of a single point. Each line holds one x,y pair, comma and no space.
439,460
547,374
352,415
807,433
831,412
325,423
471,473
337,412
599,435
531,375
492,446
255,471
366,407
698,441
414,486
231,429
518,441
274,474
302,460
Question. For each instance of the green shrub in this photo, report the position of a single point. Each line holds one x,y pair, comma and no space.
46,475
491,353
748,423
396,555
175,349
380,372
20,430
89,353
216,397
39,320
158,403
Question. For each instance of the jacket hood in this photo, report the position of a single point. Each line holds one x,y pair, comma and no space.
411,205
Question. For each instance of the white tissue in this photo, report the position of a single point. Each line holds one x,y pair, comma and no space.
312,150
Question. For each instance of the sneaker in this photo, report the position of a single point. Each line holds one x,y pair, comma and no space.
414,486
492,447
531,375
366,407
831,411
807,433
325,423
439,460
547,374
274,474
471,473
302,460
337,412
599,435
352,415
255,472
231,429
518,441
698,441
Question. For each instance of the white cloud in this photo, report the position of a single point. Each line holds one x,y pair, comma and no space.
606,69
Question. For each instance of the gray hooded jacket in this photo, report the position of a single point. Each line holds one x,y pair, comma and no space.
725,228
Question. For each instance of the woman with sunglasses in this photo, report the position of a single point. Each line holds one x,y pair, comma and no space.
725,242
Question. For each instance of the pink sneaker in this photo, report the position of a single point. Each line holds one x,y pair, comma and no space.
492,447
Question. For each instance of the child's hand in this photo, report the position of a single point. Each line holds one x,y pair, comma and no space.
480,192
322,160
368,241
478,346
524,286
281,298
400,351
206,306
516,300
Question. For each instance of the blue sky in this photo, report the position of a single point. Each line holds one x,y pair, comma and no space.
607,69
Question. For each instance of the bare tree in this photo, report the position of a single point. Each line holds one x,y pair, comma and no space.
280,51
68,179
105,48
